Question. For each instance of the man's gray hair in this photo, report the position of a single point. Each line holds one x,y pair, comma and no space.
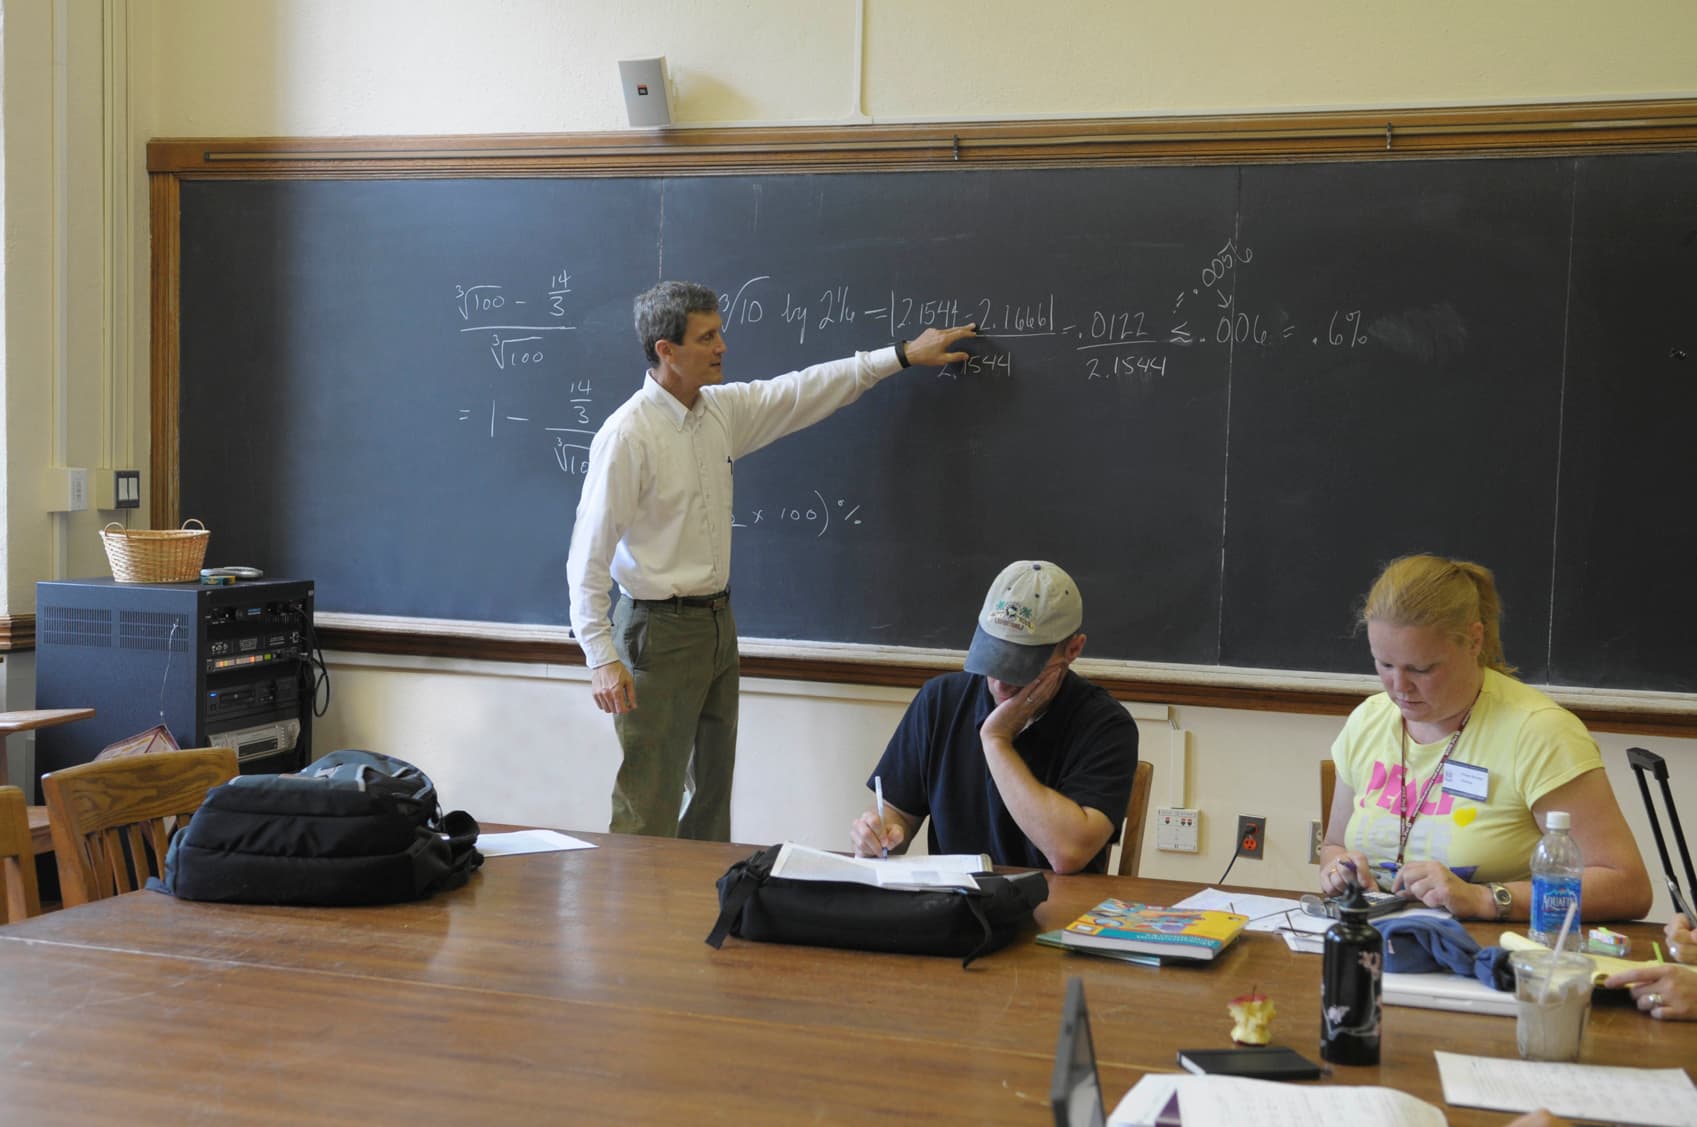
662,313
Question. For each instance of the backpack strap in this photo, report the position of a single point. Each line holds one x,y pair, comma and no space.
976,905
460,831
731,902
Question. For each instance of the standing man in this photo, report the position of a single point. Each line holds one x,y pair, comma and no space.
1018,756
655,516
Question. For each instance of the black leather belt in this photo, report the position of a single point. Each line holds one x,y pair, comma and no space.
706,602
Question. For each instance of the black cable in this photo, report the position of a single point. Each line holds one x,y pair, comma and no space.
316,673
1236,853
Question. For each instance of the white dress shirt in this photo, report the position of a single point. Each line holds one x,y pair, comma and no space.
655,513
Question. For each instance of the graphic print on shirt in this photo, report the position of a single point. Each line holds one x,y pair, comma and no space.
1389,795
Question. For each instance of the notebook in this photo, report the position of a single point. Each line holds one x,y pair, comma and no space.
1271,1062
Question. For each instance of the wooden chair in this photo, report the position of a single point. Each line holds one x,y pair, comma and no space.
1328,784
18,891
1136,811
113,819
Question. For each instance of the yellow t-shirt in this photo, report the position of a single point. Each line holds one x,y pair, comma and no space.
1528,743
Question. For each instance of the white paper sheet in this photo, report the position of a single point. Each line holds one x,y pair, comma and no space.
1266,913
528,841
1232,1101
1656,1097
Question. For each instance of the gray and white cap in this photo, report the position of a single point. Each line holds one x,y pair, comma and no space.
1032,605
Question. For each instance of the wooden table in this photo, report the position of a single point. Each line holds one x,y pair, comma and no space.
28,720
576,987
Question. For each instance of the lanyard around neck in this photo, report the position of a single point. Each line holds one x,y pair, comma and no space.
1407,818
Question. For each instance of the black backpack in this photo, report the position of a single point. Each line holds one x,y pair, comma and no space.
354,827
753,904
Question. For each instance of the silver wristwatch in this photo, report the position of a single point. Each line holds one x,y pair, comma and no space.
1502,897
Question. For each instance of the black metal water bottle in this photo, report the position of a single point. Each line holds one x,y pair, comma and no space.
1349,984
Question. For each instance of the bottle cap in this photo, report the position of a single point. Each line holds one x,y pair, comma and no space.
1556,820
1353,901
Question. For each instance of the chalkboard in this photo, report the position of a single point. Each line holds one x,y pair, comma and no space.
1221,396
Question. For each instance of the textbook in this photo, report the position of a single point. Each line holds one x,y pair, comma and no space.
1185,933
1053,939
942,870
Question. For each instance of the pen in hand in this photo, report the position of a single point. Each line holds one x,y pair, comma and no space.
878,790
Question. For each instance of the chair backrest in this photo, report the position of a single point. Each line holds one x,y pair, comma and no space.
113,819
19,896
1131,838
1328,784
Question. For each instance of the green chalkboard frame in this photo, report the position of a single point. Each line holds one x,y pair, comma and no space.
1392,134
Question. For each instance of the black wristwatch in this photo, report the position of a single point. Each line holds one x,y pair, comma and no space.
901,354
1503,899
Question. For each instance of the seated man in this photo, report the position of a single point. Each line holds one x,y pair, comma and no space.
1016,757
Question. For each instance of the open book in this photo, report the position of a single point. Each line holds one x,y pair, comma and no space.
946,870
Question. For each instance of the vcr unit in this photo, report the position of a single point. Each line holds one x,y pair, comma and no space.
220,666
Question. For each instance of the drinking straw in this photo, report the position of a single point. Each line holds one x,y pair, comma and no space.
1561,941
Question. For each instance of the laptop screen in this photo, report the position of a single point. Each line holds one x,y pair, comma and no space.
1075,1093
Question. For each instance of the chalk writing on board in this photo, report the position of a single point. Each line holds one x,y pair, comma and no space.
1225,260
515,343
1344,329
816,515
742,308
1111,342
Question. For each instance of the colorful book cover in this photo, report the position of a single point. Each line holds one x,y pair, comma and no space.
1128,926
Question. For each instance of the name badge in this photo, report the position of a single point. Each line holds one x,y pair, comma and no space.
1466,781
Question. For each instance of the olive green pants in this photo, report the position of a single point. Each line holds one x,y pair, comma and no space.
682,735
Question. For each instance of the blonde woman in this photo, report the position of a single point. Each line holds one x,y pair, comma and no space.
1443,779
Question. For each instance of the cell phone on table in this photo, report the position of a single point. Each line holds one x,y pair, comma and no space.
1378,904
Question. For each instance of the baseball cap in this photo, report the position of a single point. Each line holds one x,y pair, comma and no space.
1032,605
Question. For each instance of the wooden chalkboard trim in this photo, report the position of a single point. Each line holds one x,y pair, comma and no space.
165,290
17,632
1638,713
1356,134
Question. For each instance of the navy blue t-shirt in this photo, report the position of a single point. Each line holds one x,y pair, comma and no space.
1084,746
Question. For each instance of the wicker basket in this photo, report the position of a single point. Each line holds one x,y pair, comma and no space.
155,555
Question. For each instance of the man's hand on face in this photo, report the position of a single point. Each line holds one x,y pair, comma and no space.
1010,717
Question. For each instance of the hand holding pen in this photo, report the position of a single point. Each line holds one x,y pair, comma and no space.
1337,874
873,836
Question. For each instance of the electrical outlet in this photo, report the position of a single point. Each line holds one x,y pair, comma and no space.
1251,835
1316,837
